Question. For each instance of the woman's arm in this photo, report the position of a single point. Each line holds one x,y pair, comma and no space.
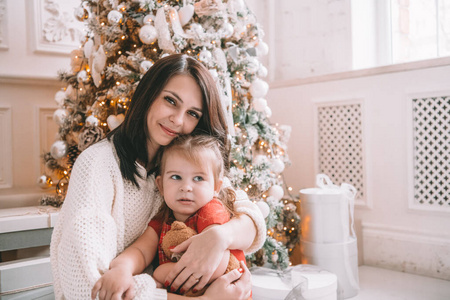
118,280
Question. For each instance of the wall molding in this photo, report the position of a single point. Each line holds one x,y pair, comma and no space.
45,128
34,80
6,172
407,250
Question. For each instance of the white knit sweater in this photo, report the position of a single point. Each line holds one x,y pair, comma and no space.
102,215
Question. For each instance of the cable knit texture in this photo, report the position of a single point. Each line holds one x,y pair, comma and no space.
102,215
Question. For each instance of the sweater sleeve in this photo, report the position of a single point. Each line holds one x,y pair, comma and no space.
87,236
244,205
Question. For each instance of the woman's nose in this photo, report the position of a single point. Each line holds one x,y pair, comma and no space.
177,118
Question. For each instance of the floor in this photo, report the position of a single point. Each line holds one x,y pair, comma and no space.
382,284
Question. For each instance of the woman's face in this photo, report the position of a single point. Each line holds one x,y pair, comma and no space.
176,110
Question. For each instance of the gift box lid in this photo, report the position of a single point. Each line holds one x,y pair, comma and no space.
318,283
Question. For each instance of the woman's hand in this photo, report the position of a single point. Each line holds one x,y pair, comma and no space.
232,285
196,266
116,283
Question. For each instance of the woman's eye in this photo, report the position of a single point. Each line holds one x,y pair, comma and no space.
170,100
194,114
175,177
198,178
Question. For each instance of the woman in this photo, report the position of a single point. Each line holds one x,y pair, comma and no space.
112,193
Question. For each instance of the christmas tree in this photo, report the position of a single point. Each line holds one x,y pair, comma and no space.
123,41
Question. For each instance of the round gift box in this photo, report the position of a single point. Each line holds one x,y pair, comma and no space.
324,216
339,258
319,285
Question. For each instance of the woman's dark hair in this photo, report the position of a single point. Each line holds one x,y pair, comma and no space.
130,138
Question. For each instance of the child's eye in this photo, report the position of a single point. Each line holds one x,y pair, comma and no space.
175,177
198,178
170,100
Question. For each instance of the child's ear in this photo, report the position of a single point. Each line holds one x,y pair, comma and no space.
159,184
218,185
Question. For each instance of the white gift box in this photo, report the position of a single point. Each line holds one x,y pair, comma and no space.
324,215
339,258
311,282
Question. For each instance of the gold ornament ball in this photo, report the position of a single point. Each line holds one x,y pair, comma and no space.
45,182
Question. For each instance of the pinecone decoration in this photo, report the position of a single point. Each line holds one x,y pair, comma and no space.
72,154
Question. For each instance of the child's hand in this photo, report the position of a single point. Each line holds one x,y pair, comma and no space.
116,283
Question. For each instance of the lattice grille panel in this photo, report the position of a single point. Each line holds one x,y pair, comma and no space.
341,144
431,135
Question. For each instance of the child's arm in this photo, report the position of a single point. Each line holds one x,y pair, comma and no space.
118,280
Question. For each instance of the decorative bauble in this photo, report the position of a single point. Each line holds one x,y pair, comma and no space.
259,104
274,257
114,121
205,55
214,74
268,112
148,34
263,207
45,182
148,19
114,17
277,165
185,14
262,49
276,192
262,71
82,76
145,65
88,47
60,96
259,88
227,30
58,149
252,65
81,13
92,121
60,116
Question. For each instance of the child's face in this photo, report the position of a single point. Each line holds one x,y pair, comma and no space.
186,186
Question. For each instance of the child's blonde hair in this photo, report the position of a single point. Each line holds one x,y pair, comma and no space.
201,149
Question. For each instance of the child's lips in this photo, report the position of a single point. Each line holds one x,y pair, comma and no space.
185,201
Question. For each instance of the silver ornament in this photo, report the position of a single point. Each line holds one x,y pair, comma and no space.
60,96
148,34
259,88
58,149
148,19
145,65
259,104
92,121
114,17
205,55
82,76
60,116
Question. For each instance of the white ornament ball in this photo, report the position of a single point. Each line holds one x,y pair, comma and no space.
82,76
60,115
262,71
277,165
262,49
276,192
45,182
227,30
148,19
259,88
58,149
252,65
205,55
268,112
148,34
114,17
60,96
263,207
259,104
92,121
145,66
214,74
